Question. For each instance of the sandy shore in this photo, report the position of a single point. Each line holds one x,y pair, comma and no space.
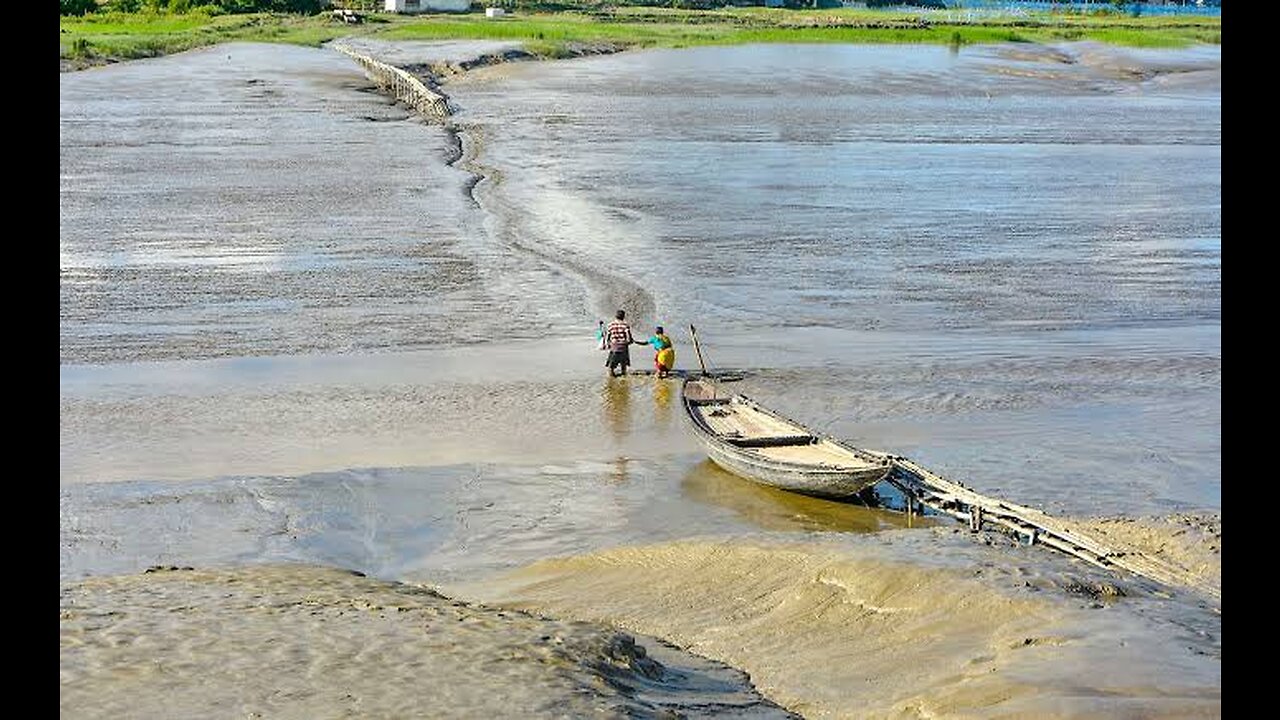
825,628
310,642
1191,542
832,635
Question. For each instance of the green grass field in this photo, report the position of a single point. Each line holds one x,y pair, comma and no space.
120,36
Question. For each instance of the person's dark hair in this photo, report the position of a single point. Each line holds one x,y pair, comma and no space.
620,314
658,329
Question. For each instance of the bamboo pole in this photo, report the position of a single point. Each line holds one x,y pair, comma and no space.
698,349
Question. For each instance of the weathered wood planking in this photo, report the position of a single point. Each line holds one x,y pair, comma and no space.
960,502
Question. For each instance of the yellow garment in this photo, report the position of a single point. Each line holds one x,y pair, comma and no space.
667,357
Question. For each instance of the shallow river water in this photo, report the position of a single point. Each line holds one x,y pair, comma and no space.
298,324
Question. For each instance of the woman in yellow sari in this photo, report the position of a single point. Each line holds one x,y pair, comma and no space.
665,358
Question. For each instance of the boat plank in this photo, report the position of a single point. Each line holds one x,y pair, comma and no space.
750,440
739,421
817,453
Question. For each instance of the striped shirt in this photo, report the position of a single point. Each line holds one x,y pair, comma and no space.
619,334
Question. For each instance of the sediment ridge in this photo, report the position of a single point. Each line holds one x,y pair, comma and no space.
466,139
303,641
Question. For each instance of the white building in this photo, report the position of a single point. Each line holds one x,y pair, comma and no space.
418,6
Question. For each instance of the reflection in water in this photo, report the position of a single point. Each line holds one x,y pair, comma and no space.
616,405
773,509
618,473
662,401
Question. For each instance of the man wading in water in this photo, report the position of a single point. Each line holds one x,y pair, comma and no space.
618,335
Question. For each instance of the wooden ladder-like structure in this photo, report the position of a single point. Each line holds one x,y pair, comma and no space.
919,485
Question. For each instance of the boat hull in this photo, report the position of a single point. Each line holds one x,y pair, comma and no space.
810,478
792,477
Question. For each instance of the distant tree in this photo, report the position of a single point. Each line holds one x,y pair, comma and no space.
78,7
939,4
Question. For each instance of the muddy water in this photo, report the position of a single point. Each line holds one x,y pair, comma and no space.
291,330
913,247
252,200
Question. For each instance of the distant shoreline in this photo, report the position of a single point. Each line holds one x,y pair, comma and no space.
106,38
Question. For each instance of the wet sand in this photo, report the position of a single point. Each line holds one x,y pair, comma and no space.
1192,542
311,642
830,635
908,623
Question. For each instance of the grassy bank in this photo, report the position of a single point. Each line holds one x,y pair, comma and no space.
656,27
97,38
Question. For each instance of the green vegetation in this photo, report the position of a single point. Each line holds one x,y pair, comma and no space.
106,34
650,27
309,7
124,36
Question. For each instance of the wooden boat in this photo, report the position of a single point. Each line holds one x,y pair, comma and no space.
754,442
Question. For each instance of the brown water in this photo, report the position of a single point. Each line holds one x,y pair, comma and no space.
291,330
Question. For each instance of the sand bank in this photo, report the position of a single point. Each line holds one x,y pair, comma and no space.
1191,542
310,642
827,635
